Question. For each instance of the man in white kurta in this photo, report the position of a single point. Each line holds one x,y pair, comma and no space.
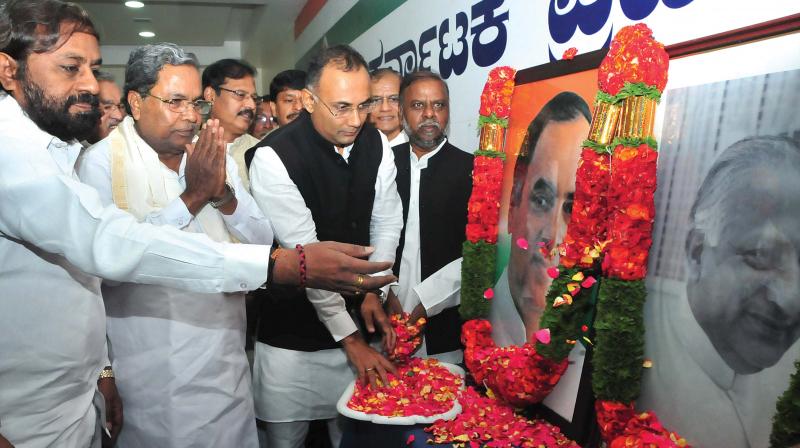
178,355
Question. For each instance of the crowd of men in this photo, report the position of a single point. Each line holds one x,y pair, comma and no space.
135,220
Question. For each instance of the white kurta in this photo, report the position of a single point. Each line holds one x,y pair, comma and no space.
442,289
291,385
179,355
399,139
692,389
56,238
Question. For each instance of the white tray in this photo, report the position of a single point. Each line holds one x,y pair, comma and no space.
341,406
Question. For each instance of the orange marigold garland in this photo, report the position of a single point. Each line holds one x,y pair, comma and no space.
479,250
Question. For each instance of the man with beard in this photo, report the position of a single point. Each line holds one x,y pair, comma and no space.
385,87
323,177
57,239
156,331
434,179
724,342
539,210
111,107
285,96
230,86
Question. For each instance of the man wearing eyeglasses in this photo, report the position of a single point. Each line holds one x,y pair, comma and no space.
179,355
385,87
229,85
323,177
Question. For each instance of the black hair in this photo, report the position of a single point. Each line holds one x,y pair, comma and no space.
420,75
34,26
566,106
343,56
287,80
215,74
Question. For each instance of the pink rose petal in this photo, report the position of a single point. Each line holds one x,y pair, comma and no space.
543,336
488,294
552,272
588,282
410,439
522,243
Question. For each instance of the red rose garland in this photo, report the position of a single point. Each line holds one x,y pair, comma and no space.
479,251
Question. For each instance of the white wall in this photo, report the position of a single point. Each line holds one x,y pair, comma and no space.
530,38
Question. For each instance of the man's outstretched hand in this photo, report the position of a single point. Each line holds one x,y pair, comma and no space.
369,364
334,267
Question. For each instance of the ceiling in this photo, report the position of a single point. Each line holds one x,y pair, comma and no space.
187,22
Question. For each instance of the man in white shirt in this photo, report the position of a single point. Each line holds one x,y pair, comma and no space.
322,177
230,86
385,89
157,332
434,180
57,239
724,342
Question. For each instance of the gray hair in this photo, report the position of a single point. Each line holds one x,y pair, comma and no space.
104,76
146,61
730,168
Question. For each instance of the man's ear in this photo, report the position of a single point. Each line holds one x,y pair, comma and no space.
695,242
135,102
8,73
308,100
273,108
209,94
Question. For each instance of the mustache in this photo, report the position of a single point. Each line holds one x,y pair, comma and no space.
88,98
429,122
249,113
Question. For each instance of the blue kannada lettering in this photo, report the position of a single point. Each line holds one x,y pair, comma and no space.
454,45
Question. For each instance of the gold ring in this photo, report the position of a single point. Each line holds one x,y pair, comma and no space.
359,280
369,368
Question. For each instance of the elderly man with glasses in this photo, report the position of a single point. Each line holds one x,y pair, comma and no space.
324,176
230,86
179,355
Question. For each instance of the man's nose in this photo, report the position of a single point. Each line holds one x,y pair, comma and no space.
427,112
87,83
384,105
786,288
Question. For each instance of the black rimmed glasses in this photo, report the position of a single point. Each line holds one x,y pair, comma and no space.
181,105
342,110
241,95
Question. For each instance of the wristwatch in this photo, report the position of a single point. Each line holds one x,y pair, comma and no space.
381,295
228,197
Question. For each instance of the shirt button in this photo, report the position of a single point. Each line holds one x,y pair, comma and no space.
243,285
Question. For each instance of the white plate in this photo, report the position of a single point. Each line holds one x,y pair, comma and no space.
341,406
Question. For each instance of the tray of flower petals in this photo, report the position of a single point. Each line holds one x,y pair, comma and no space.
423,391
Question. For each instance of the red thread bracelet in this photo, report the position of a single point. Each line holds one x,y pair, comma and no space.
302,254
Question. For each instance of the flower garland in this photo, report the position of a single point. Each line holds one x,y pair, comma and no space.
483,209
610,234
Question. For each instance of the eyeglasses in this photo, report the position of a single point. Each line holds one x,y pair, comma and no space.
241,95
341,110
393,100
181,105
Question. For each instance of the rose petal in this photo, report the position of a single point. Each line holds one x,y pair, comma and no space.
584,328
410,439
578,276
522,243
543,336
588,282
552,272
488,294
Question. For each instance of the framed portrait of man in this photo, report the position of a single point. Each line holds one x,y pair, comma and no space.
722,316
550,116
